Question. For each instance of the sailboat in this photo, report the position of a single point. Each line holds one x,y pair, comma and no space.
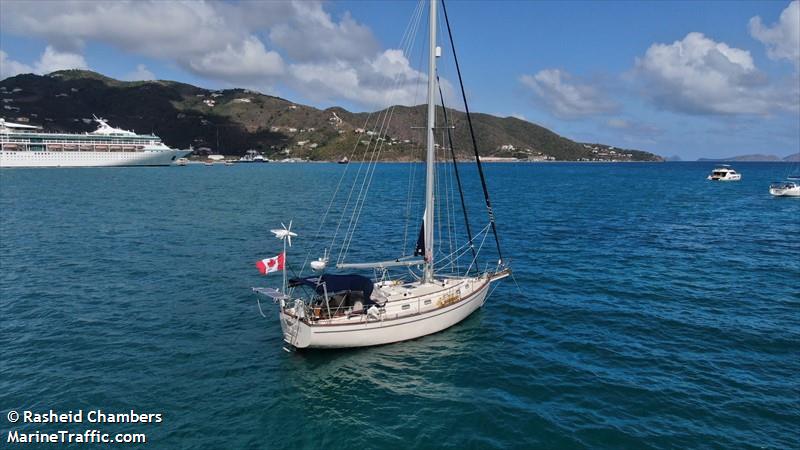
335,310
788,188
791,186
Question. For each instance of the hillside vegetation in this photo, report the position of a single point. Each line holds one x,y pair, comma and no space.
232,121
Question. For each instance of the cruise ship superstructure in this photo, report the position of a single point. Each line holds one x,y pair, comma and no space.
28,146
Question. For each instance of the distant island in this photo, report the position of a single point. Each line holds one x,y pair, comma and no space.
232,121
756,158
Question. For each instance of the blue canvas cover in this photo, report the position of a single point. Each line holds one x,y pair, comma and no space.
337,283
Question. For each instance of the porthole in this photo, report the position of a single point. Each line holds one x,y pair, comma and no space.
405,307
428,301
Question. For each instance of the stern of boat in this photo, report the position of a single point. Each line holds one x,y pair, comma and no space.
295,332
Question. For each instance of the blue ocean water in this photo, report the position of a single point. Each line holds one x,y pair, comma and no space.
655,309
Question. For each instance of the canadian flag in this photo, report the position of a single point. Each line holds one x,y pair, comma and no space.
269,265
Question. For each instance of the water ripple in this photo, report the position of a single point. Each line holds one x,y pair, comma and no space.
657,311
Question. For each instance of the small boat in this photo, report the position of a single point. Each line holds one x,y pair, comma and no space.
181,162
343,160
228,163
724,173
252,156
788,188
208,163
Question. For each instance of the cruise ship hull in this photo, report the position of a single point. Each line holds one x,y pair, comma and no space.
89,158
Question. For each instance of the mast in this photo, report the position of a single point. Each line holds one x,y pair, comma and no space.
431,154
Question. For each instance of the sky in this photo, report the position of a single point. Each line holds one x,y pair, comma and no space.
686,78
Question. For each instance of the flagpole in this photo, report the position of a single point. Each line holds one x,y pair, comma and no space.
284,267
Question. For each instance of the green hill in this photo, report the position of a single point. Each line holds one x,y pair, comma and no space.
232,121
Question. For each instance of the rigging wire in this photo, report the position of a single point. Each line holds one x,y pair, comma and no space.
455,169
413,163
408,36
368,179
447,200
472,135
406,44
461,251
370,172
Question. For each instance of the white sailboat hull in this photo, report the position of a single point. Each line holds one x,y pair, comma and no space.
366,332
785,192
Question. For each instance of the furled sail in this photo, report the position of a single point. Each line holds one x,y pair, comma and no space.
419,250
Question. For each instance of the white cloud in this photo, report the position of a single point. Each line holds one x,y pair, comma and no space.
152,28
140,74
197,35
310,34
50,61
250,44
618,123
386,79
633,128
783,38
564,97
53,60
697,75
247,60
10,68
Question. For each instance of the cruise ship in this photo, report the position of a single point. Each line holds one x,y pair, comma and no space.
28,146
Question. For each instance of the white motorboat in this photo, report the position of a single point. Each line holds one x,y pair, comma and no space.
252,156
788,188
333,310
724,173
